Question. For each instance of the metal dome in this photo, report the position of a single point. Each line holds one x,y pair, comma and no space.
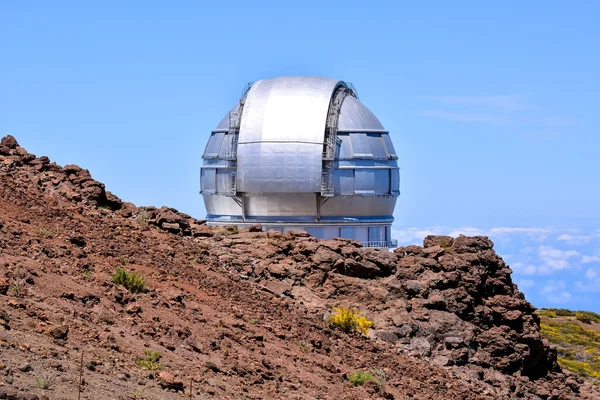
301,152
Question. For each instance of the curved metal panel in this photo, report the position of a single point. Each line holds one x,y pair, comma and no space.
359,205
224,124
280,145
355,116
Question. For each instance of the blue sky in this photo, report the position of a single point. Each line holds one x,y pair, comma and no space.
492,106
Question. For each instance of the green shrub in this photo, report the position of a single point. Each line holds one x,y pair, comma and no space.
583,318
578,348
150,360
132,281
550,313
563,312
359,378
587,317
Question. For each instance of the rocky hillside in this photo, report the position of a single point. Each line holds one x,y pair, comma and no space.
242,314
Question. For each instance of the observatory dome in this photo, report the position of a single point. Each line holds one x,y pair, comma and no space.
302,153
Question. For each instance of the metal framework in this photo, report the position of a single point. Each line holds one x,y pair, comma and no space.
235,120
331,141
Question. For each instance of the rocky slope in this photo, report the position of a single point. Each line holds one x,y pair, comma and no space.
241,314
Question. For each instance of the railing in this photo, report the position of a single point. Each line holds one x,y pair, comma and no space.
380,244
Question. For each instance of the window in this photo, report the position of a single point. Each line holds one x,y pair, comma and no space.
330,232
382,181
390,147
368,145
225,146
316,232
364,181
214,145
348,232
360,146
224,180
376,234
208,181
395,181
343,182
344,146
377,146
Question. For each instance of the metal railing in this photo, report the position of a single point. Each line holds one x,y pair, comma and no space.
380,244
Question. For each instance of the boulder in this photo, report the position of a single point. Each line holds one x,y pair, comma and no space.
9,141
59,331
168,381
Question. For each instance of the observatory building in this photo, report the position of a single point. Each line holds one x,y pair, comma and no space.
302,153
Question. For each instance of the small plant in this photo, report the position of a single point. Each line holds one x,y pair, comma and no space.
88,270
17,289
143,219
253,321
124,260
305,348
132,281
45,233
349,321
44,382
359,378
150,360
380,378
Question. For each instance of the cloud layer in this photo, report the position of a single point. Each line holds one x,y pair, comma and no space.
554,267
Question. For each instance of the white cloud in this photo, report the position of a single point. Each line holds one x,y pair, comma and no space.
467,231
560,298
591,286
415,235
591,274
526,283
553,286
574,239
555,292
590,259
553,260
523,268
538,234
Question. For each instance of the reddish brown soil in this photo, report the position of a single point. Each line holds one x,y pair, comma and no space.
241,315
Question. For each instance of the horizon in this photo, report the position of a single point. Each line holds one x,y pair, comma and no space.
491,109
